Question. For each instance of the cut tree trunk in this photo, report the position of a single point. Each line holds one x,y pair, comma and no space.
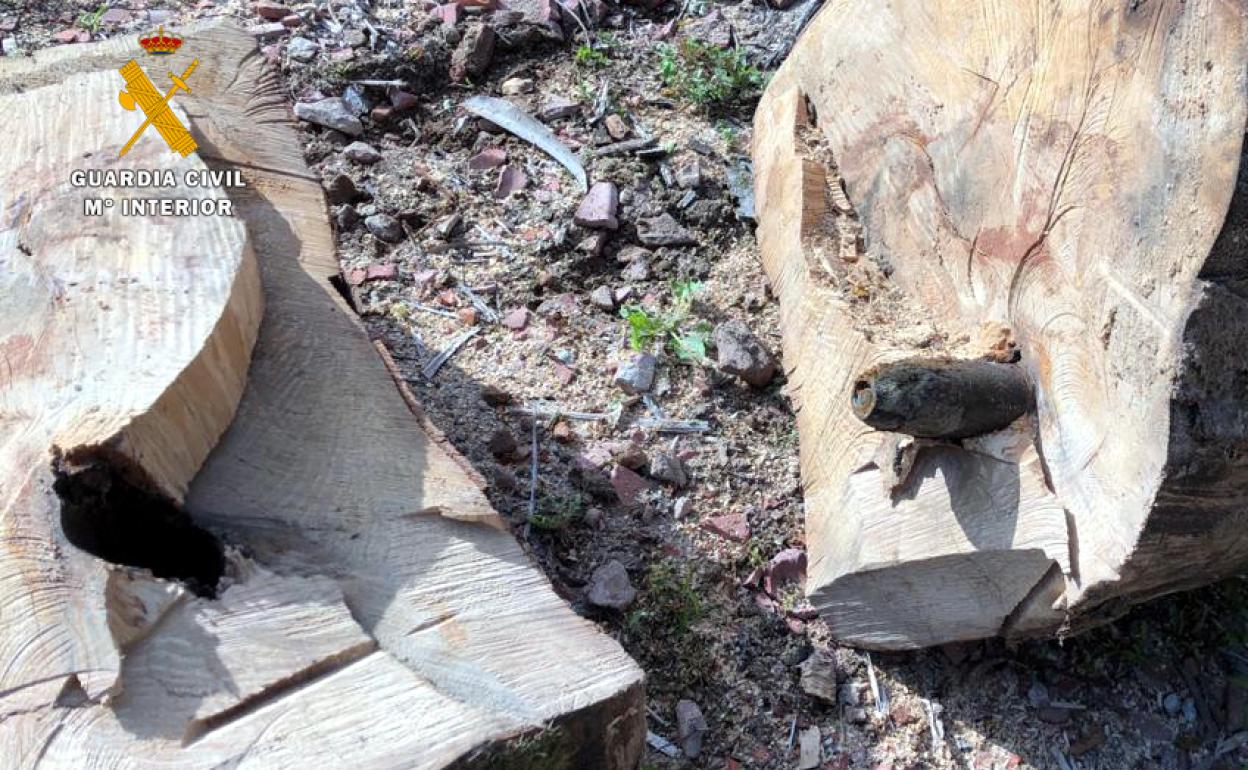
373,610
1062,183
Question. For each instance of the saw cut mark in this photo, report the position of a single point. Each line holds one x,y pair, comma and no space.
108,511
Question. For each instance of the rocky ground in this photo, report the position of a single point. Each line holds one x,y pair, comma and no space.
606,358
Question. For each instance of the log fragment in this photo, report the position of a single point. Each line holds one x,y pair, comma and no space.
373,611
1071,173
125,344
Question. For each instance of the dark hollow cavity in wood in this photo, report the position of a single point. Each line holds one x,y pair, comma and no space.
945,398
109,511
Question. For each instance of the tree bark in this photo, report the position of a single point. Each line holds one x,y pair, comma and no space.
935,177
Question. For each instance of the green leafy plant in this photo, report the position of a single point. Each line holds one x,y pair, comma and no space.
588,56
685,338
670,600
727,132
556,513
91,20
709,76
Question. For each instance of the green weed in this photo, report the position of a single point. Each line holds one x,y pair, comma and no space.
91,20
588,56
708,76
557,513
670,600
674,329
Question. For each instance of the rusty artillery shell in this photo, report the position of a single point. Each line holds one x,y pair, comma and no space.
942,397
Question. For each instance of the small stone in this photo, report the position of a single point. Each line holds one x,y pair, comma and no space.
632,254
637,271
603,297
562,432
1172,703
630,455
467,316
510,181
346,217
301,49
495,396
354,38
502,444
292,21
903,714
663,230
636,375
271,11
810,749
741,353
361,152
556,107
473,54
689,174
609,587
733,526
67,35
448,14
516,86
504,479
115,16
384,227
594,243
593,517
447,225
403,100
598,209
690,727
490,157
517,319
341,189
617,128
665,467
565,373
741,187
788,566
356,101
819,677
330,113
681,508
627,484
386,271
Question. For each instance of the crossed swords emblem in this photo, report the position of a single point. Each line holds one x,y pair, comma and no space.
141,92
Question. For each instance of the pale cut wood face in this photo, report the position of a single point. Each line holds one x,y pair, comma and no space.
102,314
128,334
1062,169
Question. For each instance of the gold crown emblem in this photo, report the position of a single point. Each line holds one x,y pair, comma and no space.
160,44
